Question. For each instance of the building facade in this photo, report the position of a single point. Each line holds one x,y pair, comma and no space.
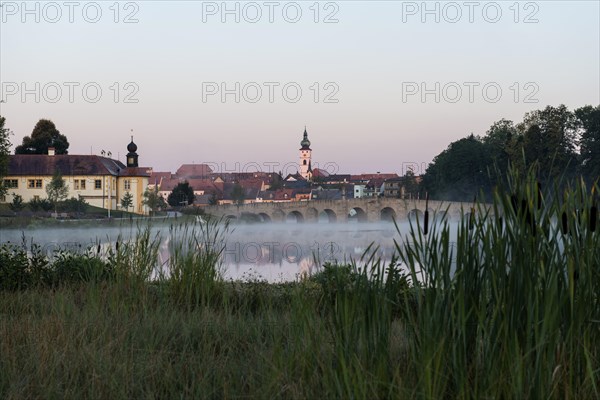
100,181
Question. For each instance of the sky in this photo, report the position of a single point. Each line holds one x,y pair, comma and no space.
379,85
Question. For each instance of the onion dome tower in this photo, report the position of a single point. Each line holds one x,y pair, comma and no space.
132,156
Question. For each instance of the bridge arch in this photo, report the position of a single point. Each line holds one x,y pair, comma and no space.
414,214
279,216
264,217
387,214
327,215
312,214
441,216
295,216
357,214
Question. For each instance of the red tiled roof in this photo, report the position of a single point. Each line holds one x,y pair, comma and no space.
157,177
368,177
68,164
193,171
318,172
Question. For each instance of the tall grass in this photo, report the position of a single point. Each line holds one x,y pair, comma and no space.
195,265
503,304
513,310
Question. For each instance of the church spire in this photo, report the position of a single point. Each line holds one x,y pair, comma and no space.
305,143
305,157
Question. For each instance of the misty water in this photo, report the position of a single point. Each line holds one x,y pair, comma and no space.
272,251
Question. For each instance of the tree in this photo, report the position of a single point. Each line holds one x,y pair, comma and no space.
409,182
4,153
549,138
213,199
237,194
153,200
127,201
499,144
17,203
75,204
44,135
588,125
182,194
57,190
459,172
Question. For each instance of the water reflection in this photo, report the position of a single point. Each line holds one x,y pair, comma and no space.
271,251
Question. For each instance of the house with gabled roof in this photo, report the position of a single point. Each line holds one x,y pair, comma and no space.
100,181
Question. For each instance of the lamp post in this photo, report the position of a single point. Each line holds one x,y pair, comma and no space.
109,198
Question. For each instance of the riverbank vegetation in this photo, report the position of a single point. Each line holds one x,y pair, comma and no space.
504,303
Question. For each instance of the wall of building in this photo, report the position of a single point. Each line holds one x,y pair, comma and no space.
108,195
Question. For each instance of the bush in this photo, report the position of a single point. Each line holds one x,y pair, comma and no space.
17,203
71,268
14,268
40,205
74,205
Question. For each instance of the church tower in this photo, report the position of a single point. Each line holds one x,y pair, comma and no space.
305,155
132,156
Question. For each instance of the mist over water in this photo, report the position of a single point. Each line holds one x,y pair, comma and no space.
274,252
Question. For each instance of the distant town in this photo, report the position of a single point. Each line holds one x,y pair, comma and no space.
103,182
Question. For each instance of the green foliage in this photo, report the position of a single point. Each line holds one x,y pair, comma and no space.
276,182
459,171
44,135
4,153
411,187
153,200
69,267
14,265
76,205
22,268
127,201
503,304
505,296
588,124
548,137
195,262
213,200
40,205
237,193
181,195
57,190
17,203
134,260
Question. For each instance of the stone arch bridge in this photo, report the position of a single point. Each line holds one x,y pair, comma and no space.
360,210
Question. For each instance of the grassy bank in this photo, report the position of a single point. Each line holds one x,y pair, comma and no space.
509,309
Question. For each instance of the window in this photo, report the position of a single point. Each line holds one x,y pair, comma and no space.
98,184
34,184
11,183
79,184
127,184
36,198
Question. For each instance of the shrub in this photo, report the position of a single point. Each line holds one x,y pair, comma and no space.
40,205
17,203
73,204
14,268
71,268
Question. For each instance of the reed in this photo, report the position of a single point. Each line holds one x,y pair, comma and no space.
505,303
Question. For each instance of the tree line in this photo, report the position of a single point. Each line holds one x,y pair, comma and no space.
563,144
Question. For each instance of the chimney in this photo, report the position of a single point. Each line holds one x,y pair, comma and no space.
51,151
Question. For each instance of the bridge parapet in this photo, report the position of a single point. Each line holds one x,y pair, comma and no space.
363,209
